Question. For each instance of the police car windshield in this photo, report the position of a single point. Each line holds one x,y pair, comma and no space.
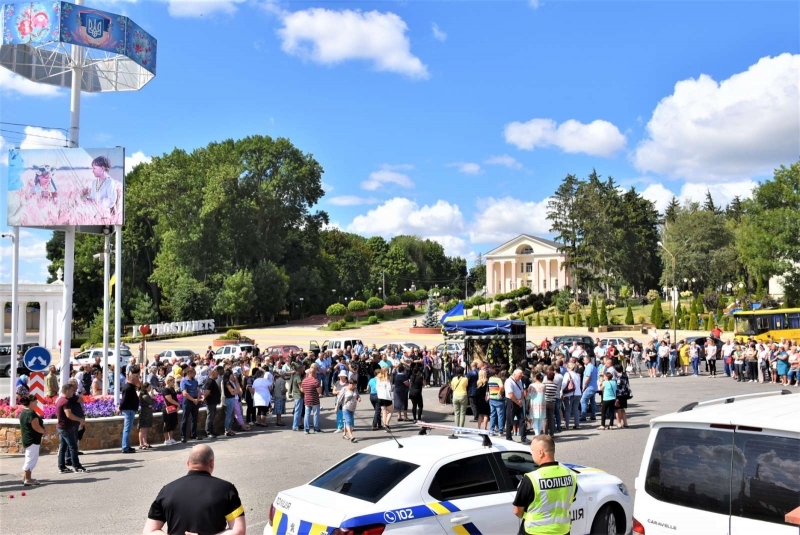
365,477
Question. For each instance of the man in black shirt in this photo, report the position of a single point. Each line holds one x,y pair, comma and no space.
129,405
212,396
197,502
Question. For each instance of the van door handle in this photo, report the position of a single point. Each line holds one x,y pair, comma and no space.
459,519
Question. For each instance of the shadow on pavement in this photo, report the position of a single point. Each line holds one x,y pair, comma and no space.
68,479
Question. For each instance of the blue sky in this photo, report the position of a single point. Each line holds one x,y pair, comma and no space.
453,120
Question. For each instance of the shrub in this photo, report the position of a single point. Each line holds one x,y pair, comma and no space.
411,307
511,306
594,319
421,295
374,303
336,309
231,334
406,312
393,300
657,315
478,301
372,313
615,320
476,312
496,307
629,316
603,316
538,320
528,320
484,315
381,315
709,323
372,320
578,319
692,322
523,303
640,319
349,318
408,297
652,294
334,326
565,320
730,324
513,317
356,305
495,313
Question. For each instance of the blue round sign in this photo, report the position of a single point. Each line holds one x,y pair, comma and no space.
37,359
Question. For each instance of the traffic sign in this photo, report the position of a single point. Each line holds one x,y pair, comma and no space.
37,359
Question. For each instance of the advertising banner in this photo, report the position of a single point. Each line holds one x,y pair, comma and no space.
66,187
141,47
31,23
93,28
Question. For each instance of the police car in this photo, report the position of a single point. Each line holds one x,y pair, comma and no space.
463,484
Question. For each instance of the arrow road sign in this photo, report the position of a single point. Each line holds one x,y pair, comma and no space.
37,359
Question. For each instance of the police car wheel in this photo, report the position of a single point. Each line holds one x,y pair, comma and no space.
605,522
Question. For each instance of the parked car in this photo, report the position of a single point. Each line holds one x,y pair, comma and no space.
334,345
619,343
701,341
450,347
5,359
404,346
232,350
722,467
88,356
586,342
284,351
183,354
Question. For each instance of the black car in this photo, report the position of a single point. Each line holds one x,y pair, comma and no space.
586,342
5,360
701,341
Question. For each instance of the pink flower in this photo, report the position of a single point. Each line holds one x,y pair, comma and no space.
41,20
24,28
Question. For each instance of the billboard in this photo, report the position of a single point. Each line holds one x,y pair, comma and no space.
93,28
66,187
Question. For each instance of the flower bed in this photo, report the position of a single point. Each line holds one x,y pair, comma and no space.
93,406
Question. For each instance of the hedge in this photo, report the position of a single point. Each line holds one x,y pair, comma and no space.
372,320
336,309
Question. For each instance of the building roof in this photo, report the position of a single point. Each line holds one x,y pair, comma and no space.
543,241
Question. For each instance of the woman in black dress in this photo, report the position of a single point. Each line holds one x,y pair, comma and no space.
415,393
482,401
170,410
145,415
401,383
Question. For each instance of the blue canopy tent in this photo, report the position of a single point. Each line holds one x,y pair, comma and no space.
496,341
483,326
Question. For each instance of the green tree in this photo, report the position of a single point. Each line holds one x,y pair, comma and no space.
374,303
336,309
144,312
693,322
565,319
578,319
237,296
657,314
538,320
271,284
629,316
594,320
709,323
603,314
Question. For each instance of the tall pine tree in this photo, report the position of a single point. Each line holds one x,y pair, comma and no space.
594,319
603,313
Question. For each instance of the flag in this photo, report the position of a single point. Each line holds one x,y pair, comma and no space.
111,283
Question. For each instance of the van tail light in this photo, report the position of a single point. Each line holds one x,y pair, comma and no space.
375,529
638,527
271,513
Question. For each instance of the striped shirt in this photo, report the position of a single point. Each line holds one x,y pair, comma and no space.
310,394
550,392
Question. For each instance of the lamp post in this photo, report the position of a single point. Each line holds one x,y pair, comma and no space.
14,235
301,308
334,294
106,256
729,286
674,294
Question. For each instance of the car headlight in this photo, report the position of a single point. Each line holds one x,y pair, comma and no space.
622,488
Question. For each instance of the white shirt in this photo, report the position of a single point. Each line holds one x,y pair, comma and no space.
261,394
727,349
105,195
576,380
711,352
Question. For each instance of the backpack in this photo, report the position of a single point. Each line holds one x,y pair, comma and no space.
446,395
570,388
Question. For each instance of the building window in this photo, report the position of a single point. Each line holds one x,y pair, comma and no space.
526,250
555,282
529,267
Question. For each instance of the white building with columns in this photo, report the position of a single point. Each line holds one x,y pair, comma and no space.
46,319
526,261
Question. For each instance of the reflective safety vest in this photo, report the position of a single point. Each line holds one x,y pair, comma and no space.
554,487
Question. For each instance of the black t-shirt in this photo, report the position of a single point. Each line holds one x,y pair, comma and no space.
417,382
526,493
651,354
214,394
227,386
197,503
130,401
29,435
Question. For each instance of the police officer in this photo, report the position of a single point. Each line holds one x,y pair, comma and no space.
545,495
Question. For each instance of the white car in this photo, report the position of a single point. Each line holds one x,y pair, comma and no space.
88,356
433,485
404,346
182,354
232,351
729,466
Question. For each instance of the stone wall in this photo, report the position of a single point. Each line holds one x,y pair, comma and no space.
101,433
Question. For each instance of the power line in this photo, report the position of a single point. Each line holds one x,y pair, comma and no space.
35,126
32,135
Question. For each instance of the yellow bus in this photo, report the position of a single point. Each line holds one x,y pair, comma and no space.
763,324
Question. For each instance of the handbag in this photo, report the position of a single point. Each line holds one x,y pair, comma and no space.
170,408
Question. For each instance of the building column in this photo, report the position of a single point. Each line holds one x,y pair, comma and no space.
490,277
2,323
42,323
503,276
562,277
52,324
22,322
514,274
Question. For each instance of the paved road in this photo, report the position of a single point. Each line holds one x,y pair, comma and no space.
115,496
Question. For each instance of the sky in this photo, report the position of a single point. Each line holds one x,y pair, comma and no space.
450,120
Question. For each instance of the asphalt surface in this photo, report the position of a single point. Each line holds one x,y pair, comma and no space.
115,496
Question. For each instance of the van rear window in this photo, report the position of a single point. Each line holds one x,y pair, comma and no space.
365,477
691,468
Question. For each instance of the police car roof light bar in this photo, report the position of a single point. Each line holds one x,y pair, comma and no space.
487,442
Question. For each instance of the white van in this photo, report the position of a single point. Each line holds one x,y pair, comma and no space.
334,344
729,466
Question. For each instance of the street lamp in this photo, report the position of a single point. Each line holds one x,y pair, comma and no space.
334,294
674,293
14,235
730,287
301,308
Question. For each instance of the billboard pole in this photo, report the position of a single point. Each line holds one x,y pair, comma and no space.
106,270
14,315
69,232
117,311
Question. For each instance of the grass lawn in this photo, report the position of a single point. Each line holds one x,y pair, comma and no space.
638,310
363,321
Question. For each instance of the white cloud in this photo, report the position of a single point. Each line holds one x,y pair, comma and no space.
352,200
453,246
404,216
386,175
505,160
499,220
743,126
330,37
135,159
34,138
438,34
534,4
468,168
30,248
598,138
658,195
333,225
721,193
10,82
327,187
200,8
